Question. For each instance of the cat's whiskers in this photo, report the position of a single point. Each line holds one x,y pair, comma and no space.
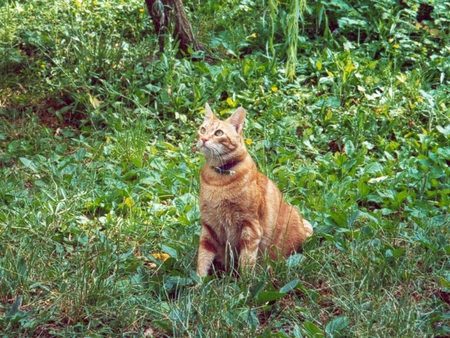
215,157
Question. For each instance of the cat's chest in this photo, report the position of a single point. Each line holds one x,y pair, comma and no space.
227,196
226,212
222,209
225,217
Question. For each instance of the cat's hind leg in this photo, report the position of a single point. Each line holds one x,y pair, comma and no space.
308,228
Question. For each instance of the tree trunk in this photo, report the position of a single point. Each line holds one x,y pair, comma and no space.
165,12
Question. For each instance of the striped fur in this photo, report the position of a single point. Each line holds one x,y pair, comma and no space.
244,213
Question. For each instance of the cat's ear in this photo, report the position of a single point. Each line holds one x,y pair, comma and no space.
237,119
208,112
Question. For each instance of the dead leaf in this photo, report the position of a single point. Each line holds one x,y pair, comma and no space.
160,256
94,101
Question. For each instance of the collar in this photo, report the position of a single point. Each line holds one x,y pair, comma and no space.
225,169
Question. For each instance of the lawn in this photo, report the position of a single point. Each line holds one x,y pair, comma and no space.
99,215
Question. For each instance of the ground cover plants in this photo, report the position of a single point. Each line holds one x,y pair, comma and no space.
99,221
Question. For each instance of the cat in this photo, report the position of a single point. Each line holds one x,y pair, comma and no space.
242,211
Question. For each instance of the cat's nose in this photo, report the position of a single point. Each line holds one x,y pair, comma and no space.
203,139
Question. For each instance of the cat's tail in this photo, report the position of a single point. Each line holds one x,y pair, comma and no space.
308,228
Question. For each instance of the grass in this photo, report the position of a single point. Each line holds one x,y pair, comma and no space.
99,219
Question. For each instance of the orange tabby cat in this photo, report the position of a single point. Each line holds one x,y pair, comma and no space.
242,211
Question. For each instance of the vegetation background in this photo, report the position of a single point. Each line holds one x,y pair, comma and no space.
348,112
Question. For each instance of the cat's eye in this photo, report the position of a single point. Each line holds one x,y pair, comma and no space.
218,132
202,130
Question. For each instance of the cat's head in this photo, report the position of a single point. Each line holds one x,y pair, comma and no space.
220,141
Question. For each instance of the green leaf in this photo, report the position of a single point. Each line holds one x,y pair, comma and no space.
80,154
373,168
268,296
401,197
250,318
165,325
257,288
169,250
15,307
313,330
13,146
22,267
28,164
353,217
294,260
348,22
396,253
152,88
349,148
444,282
340,242
290,286
444,130
336,325
444,152
329,238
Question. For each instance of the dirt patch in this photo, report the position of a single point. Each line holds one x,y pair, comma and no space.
444,296
58,111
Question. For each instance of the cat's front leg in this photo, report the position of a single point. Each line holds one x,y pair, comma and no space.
249,244
207,251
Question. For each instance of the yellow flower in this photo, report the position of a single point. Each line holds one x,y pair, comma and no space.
129,202
396,46
43,66
108,139
391,40
231,103
248,141
141,10
253,35
274,88
161,256
319,65
419,99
